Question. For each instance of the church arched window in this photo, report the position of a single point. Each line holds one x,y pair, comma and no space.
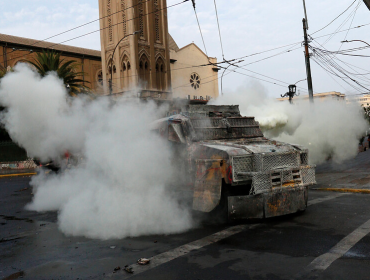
109,68
126,73
160,74
99,78
144,68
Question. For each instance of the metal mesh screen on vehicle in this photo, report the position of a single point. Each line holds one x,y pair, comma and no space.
242,164
261,183
217,133
308,175
287,176
218,122
265,162
304,158
264,182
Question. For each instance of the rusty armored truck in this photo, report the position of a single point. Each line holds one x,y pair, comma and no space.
226,162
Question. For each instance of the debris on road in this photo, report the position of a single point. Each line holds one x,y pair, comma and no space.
143,261
128,269
116,269
113,247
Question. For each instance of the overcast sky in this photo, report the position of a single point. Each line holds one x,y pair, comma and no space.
247,27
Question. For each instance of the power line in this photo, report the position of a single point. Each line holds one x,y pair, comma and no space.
83,35
335,18
350,24
242,66
200,30
329,71
219,30
82,25
359,26
341,25
339,69
253,77
347,64
333,57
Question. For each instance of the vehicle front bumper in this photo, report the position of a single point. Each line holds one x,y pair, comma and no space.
278,202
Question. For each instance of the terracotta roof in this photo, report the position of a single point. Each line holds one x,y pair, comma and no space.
43,44
172,44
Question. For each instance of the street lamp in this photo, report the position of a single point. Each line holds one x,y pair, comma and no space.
292,91
111,64
354,41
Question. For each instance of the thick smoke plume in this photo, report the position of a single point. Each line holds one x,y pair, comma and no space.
118,187
328,128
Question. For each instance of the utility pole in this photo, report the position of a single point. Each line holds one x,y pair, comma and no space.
367,2
307,58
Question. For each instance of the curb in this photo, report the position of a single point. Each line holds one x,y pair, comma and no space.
19,174
367,191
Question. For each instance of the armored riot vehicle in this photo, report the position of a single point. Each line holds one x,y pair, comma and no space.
227,162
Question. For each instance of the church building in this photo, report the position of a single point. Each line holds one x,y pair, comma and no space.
146,62
139,56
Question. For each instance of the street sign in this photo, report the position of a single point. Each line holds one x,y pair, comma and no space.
367,3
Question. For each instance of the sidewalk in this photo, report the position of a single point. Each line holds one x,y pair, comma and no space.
19,167
351,175
19,172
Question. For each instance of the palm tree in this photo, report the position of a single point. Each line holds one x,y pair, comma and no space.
48,61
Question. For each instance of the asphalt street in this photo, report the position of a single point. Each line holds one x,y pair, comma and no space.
330,240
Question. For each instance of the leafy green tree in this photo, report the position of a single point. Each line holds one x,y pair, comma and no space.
48,61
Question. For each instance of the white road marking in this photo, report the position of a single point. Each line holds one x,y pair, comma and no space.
198,244
324,261
326,198
184,249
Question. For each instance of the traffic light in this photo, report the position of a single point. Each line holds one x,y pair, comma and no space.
367,3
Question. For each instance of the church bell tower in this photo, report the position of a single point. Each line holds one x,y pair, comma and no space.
141,62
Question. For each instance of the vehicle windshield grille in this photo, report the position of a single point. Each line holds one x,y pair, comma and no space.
265,162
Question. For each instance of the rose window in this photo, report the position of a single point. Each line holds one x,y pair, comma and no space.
194,81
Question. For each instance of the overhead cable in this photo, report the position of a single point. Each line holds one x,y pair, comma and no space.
82,25
200,30
359,4
219,30
83,35
335,18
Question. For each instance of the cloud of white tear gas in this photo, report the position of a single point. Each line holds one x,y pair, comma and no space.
328,128
119,188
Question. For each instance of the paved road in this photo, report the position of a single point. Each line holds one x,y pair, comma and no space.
328,241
